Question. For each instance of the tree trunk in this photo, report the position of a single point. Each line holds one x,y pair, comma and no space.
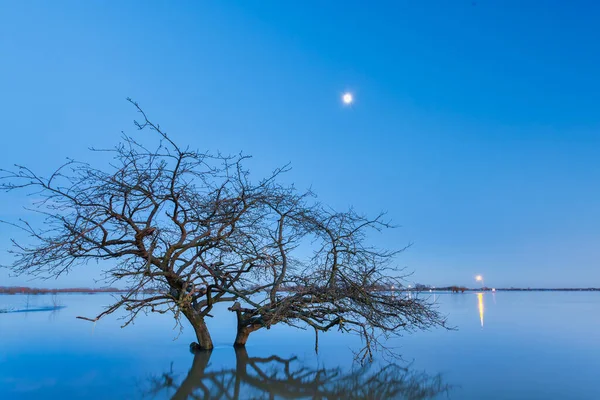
242,337
243,332
244,327
201,330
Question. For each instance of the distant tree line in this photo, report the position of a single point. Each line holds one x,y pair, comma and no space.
28,290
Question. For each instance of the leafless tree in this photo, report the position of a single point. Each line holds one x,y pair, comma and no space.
344,284
276,377
186,230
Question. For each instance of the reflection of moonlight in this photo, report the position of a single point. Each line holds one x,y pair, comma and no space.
347,98
480,301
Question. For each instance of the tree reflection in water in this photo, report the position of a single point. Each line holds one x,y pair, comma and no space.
275,377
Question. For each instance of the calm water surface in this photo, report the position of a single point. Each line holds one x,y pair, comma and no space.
536,345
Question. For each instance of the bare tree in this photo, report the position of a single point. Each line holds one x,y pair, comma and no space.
172,222
276,377
186,230
344,284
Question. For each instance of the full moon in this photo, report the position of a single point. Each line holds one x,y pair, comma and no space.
347,98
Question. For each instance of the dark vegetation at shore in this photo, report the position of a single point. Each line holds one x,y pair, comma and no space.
28,290
512,289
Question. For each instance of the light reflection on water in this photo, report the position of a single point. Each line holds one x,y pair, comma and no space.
480,306
529,339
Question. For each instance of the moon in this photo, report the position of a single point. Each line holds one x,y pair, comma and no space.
347,98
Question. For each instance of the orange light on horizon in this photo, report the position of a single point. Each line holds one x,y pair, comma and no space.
480,301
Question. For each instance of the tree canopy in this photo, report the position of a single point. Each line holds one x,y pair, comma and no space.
185,230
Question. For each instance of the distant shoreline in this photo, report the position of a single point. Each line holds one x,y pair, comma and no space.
28,290
512,289
13,290
525,290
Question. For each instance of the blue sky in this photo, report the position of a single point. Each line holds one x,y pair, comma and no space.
476,124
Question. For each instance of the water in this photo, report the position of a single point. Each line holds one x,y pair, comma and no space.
529,345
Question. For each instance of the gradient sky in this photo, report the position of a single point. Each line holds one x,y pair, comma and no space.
476,124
